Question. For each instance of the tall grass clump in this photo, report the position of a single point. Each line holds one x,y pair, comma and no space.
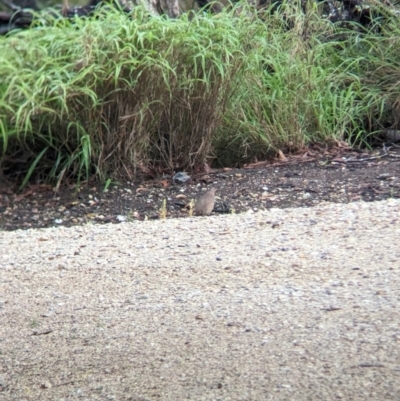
312,81
118,93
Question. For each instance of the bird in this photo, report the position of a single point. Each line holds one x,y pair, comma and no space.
205,203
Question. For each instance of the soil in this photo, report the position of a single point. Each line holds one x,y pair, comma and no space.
336,176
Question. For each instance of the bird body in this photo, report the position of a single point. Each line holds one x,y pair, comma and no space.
205,203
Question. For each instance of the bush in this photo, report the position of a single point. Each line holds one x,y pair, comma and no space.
117,94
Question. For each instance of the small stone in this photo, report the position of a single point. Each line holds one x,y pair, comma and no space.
46,384
180,177
385,176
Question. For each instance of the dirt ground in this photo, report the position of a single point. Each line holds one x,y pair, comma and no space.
339,176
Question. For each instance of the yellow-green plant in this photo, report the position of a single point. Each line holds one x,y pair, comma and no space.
190,208
163,210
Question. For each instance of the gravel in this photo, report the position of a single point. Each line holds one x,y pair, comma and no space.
295,304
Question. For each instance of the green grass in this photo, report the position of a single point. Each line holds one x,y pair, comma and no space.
118,94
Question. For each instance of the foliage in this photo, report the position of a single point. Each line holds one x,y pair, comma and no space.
116,94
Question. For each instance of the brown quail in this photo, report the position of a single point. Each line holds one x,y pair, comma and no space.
205,203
